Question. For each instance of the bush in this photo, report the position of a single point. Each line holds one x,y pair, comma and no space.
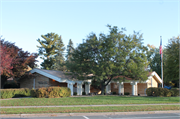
33,93
11,85
83,93
174,92
126,93
75,93
150,91
12,93
114,93
161,92
52,92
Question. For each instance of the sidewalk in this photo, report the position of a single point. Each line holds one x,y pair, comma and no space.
87,105
87,114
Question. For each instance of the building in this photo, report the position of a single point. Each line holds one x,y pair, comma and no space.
46,78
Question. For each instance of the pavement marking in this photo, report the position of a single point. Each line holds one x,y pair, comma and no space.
85,117
146,117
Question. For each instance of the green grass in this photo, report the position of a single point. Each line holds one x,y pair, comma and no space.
88,109
94,100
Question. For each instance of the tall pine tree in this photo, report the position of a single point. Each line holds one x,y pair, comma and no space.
51,48
59,62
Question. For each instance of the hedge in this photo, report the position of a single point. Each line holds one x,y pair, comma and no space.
51,92
11,93
162,92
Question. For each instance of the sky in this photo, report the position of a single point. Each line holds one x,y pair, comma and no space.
24,21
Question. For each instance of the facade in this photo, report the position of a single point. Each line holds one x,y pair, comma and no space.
134,87
47,78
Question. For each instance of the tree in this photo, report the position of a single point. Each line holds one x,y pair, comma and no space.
70,49
59,63
171,62
109,57
51,47
14,61
154,59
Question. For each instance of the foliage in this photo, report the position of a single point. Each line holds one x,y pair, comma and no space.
154,59
110,56
10,93
171,67
150,91
174,92
161,92
70,49
75,93
83,93
51,49
126,93
52,92
11,85
14,61
114,93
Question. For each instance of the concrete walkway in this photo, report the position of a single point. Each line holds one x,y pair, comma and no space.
87,114
87,105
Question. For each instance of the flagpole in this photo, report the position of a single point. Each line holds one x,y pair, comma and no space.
161,62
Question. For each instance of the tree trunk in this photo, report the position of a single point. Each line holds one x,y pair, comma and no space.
102,88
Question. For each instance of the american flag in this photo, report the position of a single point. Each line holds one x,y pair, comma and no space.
160,48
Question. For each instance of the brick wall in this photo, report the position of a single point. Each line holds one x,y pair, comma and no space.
40,81
128,88
55,83
26,83
114,87
141,88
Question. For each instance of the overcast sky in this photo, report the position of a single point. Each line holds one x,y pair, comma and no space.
24,21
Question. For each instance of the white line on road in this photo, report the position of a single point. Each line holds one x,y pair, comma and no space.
146,117
85,117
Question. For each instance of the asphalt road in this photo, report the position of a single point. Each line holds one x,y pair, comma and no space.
134,116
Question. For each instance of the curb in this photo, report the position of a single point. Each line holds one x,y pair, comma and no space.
87,114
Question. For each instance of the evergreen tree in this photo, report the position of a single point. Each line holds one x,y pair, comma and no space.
109,57
70,49
50,49
59,63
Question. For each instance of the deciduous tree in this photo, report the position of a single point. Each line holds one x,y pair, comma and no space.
109,56
14,61
171,62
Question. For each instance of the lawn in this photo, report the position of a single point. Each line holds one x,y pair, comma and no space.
88,109
94,100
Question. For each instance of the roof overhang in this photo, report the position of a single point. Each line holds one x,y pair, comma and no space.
154,74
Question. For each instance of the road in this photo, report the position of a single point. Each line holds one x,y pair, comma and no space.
134,116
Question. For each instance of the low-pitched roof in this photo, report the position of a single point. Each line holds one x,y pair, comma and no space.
149,76
56,75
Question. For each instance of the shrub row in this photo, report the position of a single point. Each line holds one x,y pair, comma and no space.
162,92
11,93
51,92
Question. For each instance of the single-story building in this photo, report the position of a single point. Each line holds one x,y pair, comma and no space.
134,87
46,78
